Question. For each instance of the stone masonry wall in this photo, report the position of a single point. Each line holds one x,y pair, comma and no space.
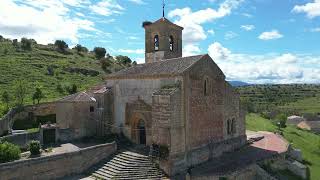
22,139
130,90
56,166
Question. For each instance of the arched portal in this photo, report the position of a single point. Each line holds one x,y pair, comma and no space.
141,132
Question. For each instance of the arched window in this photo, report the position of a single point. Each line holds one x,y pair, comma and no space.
156,42
171,43
228,126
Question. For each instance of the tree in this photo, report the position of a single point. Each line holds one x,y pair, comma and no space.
37,95
20,91
125,60
134,63
6,98
73,89
79,48
26,44
99,52
105,63
61,45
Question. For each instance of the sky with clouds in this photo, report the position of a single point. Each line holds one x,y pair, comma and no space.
256,41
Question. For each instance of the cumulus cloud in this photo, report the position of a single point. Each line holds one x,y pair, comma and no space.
315,29
106,8
192,21
218,52
211,31
190,50
311,9
44,21
248,27
137,1
230,35
266,68
269,35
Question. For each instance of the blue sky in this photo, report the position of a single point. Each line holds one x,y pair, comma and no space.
257,41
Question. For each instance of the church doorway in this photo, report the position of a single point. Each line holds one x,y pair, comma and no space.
142,132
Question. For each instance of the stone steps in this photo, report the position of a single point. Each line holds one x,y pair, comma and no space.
128,165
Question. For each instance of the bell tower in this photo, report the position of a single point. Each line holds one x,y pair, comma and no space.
163,40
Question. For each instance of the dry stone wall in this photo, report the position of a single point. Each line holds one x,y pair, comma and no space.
56,166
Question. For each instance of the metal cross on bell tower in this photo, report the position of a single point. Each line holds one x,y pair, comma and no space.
163,6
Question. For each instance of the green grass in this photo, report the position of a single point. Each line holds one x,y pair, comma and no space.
290,98
33,130
307,105
32,67
308,142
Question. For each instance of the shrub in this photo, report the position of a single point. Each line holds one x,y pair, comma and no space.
26,44
72,89
99,52
9,152
34,147
61,45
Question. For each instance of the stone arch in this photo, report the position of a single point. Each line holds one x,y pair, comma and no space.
138,113
138,128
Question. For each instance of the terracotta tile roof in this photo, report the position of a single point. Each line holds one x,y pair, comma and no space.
171,67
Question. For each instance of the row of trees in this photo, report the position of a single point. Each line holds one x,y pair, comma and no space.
20,93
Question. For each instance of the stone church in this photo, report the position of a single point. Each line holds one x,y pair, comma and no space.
182,103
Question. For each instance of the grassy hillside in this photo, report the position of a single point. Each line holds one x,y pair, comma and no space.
48,69
298,98
308,142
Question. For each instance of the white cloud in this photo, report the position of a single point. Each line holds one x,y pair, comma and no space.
106,8
274,34
247,15
190,50
315,30
211,31
311,9
137,1
248,27
266,68
131,51
192,21
140,60
44,21
218,52
230,35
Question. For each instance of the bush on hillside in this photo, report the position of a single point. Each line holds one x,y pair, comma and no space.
34,147
61,45
26,44
124,60
79,48
72,89
99,52
9,152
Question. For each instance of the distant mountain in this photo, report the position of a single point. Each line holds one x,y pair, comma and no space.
238,83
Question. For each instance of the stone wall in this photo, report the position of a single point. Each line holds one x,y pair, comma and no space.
27,113
76,117
22,139
56,166
130,90
252,172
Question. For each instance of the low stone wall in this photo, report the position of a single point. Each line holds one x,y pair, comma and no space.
43,109
57,166
4,126
180,163
22,139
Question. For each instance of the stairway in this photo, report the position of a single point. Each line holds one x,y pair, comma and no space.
128,165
